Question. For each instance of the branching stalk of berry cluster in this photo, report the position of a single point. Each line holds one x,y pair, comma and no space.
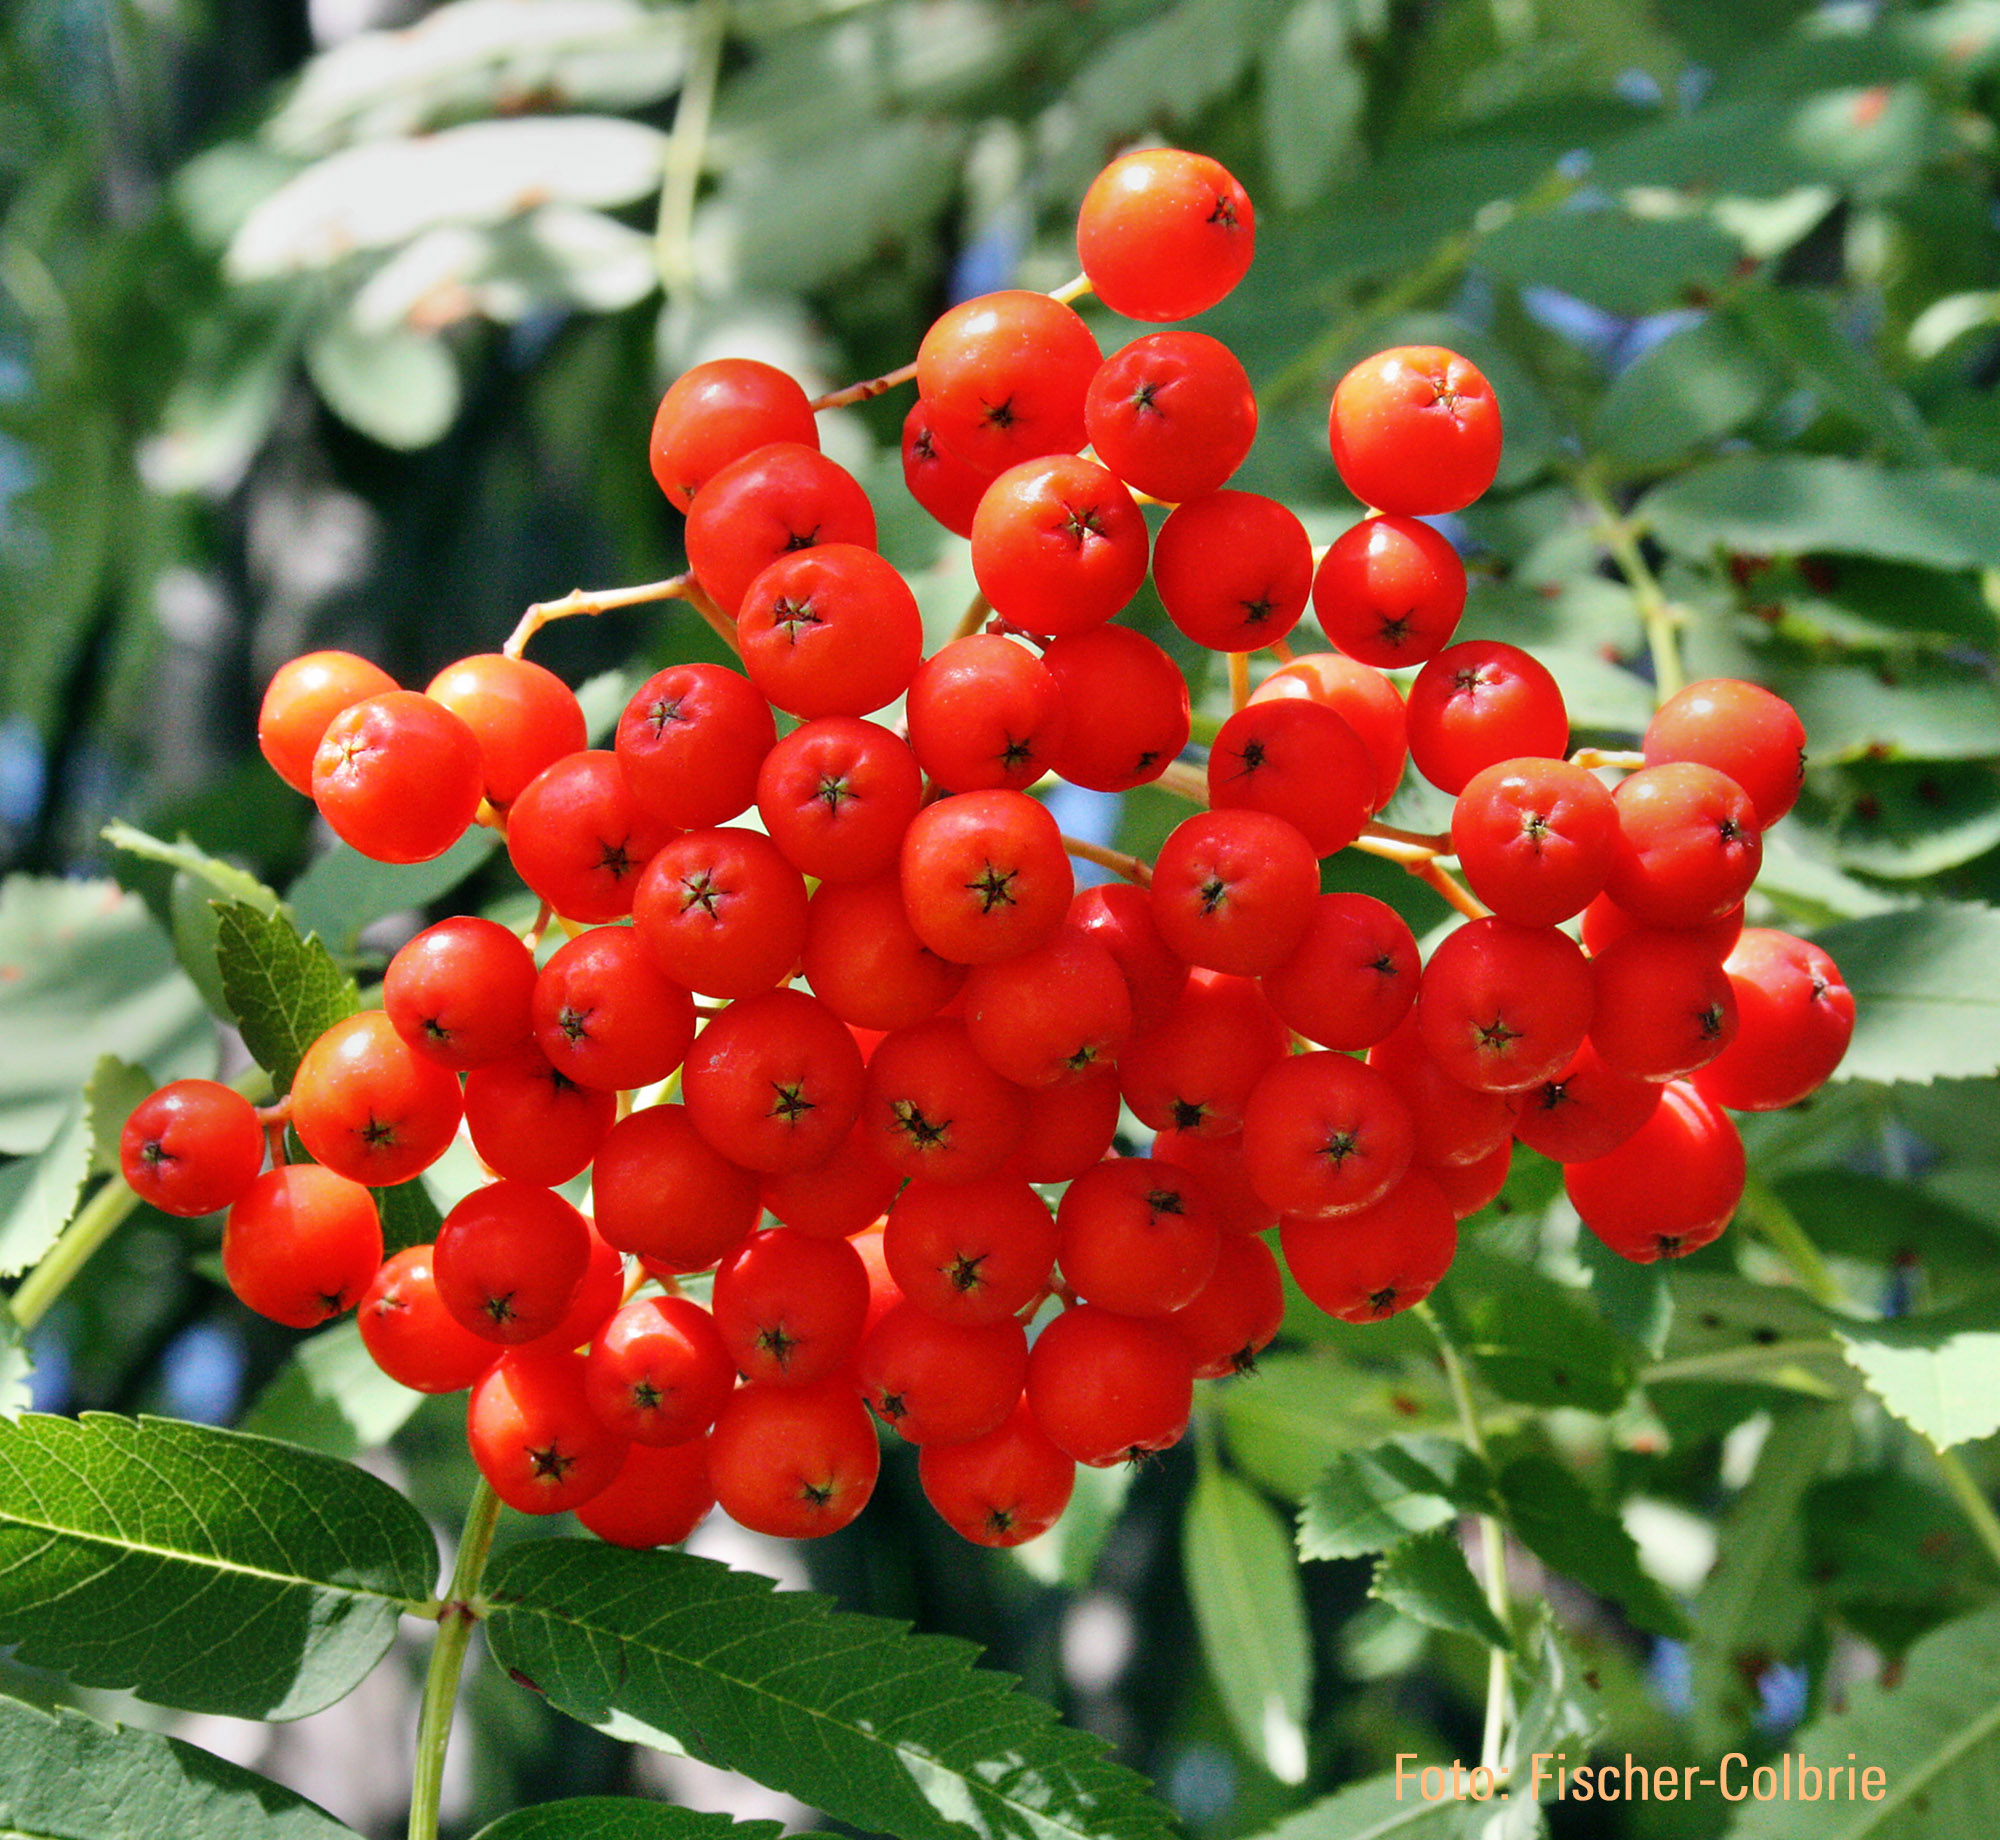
1131,868
1492,1543
1620,536
456,1617
978,611
592,601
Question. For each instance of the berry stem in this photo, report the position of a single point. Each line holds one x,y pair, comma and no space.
456,1617
592,601
687,152
1239,679
1281,650
1075,288
1432,843
1456,894
1620,535
1185,782
1492,1546
1117,861
1623,758
868,389
976,614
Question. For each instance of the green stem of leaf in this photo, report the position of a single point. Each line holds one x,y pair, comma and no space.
1723,1362
95,1222
687,151
1662,618
1971,1499
1779,1225
1492,1546
456,1617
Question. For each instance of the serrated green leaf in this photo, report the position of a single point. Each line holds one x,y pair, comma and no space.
1792,504
223,880
1297,1413
1870,1217
1754,1606
202,1569
1371,1499
1379,1809
109,1095
343,891
1622,263
1312,96
1635,1300
1797,330
1889,1556
39,1194
1693,387
1934,1736
398,387
1554,1516
1558,1698
1426,1577
331,1397
1902,819
66,1777
1919,708
409,1216
1244,1586
17,1368
894,1732
1939,1373
1532,1339
284,991
614,1817
1926,1004
84,971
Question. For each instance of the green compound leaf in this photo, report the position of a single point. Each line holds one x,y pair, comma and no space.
66,1777
1890,1557
1934,1736
38,1195
896,1733
1925,1002
1244,1585
202,1569
343,891
409,1215
1789,504
1379,1809
331,1397
1939,1373
1298,1413
224,880
1427,1578
1554,1516
1693,387
1754,1602
613,1817
1372,1499
1532,1339
284,991
113,1089
84,971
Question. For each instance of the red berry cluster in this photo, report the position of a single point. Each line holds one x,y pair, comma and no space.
970,1025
